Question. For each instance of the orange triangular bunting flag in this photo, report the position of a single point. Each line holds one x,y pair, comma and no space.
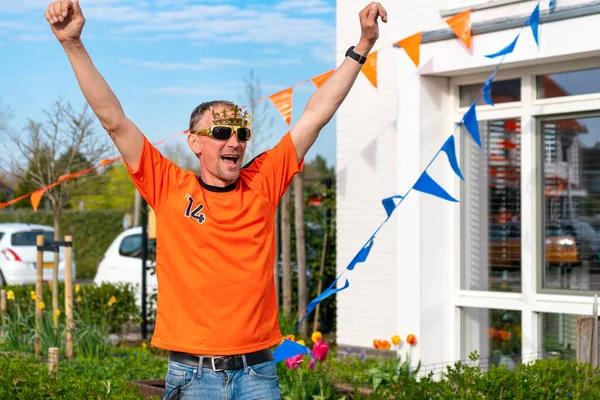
412,46
319,80
36,197
461,25
283,102
370,68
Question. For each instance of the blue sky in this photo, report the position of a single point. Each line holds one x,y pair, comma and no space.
163,57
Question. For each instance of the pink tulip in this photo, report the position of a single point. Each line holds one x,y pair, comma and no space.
320,350
294,362
311,364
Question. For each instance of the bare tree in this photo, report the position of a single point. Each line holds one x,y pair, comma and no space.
300,248
286,238
262,122
64,144
180,154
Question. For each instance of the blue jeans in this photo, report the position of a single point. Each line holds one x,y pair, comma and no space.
185,382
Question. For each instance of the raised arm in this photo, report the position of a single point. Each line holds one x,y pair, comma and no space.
324,103
66,21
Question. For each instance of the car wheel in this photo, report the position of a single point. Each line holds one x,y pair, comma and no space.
2,280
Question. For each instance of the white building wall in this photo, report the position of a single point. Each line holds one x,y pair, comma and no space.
385,139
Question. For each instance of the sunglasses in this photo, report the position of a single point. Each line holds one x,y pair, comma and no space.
224,132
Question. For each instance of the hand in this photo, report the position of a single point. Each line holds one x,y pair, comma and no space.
66,20
369,27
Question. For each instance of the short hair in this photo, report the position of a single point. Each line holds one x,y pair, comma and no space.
202,108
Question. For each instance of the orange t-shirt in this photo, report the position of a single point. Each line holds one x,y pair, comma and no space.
215,252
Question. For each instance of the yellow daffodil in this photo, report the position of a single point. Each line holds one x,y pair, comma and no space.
57,313
78,299
10,295
316,337
33,295
396,340
144,345
41,305
77,288
112,301
301,342
291,338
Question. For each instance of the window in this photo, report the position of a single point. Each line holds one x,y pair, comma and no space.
494,334
131,246
501,92
28,238
492,208
559,338
571,154
568,83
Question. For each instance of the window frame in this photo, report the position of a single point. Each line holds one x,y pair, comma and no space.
533,299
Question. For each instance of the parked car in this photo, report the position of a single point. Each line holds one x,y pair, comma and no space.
18,254
122,262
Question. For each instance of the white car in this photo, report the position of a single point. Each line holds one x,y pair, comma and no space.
18,254
122,262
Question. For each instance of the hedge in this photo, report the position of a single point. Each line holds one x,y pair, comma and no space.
92,231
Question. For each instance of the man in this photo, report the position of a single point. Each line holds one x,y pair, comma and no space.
217,311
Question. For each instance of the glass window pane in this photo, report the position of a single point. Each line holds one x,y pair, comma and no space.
29,238
501,92
571,237
559,338
568,83
494,334
491,208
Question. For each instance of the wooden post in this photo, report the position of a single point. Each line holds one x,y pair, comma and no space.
595,333
55,285
39,268
320,285
585,329
69,294
53,361
2,309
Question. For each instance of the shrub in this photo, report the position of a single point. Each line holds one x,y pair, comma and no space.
25,377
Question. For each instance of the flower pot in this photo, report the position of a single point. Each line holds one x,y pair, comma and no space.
151,387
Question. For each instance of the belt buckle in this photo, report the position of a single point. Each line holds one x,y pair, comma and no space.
212,361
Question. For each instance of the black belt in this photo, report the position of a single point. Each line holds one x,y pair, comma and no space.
222,363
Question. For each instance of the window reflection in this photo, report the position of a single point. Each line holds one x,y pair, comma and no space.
501,92
572,203
559,337
494,334
568,83
492,208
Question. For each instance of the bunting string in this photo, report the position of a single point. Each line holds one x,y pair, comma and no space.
425,183
282,101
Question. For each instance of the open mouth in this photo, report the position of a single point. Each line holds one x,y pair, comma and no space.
230,160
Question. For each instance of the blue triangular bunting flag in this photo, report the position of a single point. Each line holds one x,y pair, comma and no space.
426,184
534,23
508,49
289,349
450,149
470,119
390,205
362,255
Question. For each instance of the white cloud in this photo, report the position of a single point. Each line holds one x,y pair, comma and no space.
325,52
208,64
32,37
290,22
271,51
306,6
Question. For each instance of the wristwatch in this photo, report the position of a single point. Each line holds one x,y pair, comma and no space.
355,56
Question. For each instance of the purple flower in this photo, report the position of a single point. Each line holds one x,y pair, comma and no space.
320,350
294,362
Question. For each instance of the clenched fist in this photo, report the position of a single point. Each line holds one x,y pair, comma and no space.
66,20
368,24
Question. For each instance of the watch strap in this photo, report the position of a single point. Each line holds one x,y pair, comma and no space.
355,56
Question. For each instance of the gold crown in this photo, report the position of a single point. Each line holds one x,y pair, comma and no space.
233,116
